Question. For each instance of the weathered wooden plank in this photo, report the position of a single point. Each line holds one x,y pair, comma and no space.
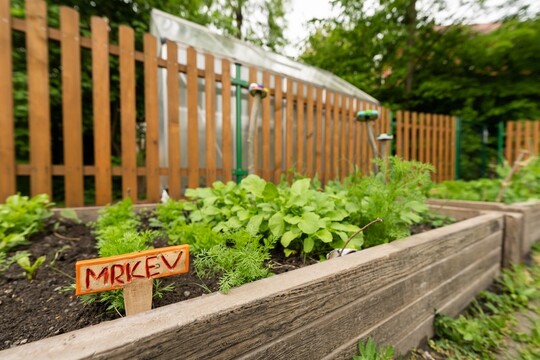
72,107
226,135
319,140
173,124
452,308
300,136
266,142
37,63
151,114
8,183
128,112
310,108
400,303
101,110
210,107
289,123
272,299
193,121
278,128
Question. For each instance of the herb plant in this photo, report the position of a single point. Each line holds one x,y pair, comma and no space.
396,195
239,260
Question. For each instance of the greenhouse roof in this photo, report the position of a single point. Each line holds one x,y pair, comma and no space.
167,26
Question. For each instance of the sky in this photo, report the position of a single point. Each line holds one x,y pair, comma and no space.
301,11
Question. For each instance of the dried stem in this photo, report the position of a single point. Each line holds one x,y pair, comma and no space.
358,232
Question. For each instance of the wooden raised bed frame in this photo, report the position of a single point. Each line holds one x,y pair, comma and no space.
522,224
389,292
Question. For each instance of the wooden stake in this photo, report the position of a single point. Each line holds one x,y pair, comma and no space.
138,296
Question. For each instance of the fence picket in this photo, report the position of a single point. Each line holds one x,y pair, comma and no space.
173,122
300,136
128,112
193,121
350,137
210,103
8,183
151,116
319,141
327,137
309,131
37,58
101,110
72,107
253,79
334,174
289,123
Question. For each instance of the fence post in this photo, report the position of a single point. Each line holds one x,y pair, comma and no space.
458,148
500,143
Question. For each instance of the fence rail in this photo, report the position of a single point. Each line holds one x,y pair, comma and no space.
303,126
522,135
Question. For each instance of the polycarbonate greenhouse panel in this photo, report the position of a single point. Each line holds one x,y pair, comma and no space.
166,26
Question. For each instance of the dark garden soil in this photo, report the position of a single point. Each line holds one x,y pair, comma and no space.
40,308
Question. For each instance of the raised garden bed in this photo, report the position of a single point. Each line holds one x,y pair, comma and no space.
521,224
388,292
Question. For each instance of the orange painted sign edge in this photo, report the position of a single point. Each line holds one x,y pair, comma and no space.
98,261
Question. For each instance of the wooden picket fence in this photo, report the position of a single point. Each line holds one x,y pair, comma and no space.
522,135
428,138
304,127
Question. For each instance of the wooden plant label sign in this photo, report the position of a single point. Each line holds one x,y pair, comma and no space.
115,272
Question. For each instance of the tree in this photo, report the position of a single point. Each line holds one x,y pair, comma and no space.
482,77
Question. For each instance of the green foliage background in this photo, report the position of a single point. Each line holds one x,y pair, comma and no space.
483,77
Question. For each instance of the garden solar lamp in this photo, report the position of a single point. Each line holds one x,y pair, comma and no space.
368,117
384,139
259,92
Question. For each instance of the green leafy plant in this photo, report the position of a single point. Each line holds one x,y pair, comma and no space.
436,220
169,214
396,195
368,350
20,217
239,260
198,236
524,185
304,219
22,258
